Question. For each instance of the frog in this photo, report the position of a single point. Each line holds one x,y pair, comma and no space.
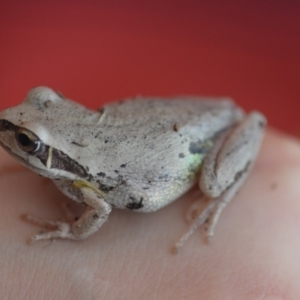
139,154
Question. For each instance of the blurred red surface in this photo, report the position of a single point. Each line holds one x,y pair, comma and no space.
98,51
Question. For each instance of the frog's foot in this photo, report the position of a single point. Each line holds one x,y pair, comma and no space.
196,208
63,229
210,213
199,216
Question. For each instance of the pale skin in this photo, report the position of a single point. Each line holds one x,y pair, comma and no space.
254,253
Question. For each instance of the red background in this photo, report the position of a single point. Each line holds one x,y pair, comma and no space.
98,51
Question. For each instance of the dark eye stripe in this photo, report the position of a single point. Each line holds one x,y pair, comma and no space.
59,159
6,125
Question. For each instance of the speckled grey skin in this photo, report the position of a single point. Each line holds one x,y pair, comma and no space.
136,154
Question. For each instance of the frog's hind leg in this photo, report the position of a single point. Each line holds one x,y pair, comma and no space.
224,170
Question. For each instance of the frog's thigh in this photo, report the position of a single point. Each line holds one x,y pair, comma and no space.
96,213
232,155
229,164
224,170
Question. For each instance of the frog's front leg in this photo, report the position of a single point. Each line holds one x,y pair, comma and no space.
96,213
224,170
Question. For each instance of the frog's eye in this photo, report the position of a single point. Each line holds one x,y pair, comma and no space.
27,141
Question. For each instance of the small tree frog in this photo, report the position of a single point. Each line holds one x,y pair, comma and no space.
138,154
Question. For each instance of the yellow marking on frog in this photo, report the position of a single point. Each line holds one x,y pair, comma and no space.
49,159
85,184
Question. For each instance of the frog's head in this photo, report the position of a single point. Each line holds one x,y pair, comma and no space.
40,133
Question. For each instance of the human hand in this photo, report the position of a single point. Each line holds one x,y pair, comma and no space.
253,255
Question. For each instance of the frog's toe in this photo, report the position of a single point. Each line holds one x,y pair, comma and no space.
63,229
37,237
52,235
195,209
213,218
199,220
40,222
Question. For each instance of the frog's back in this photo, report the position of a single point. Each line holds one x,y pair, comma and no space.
155,146
210,114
